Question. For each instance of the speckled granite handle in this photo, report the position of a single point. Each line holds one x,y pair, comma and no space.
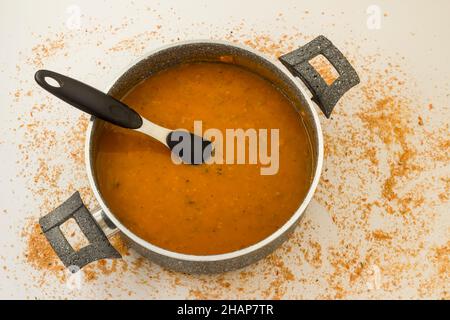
326,96
99,246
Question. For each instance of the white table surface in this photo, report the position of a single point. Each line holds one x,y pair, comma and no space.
342,249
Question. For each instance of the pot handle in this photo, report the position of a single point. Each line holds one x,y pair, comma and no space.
99,246
326,96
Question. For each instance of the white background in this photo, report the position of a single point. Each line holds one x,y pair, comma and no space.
414,34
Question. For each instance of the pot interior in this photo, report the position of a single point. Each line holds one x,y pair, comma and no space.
209,51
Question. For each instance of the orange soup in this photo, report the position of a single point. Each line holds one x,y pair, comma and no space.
210,208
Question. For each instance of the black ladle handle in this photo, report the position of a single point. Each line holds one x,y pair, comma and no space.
89,99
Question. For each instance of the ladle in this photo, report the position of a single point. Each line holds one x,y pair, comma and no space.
191,148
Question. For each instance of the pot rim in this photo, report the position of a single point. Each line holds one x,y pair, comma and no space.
241,252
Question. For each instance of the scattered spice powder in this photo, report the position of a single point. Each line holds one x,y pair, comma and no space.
40,254
374,168
313,253
47,49
325,69
137,44
381,235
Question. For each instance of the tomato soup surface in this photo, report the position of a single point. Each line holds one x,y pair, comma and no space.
210,208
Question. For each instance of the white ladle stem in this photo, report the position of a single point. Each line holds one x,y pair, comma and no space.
153,130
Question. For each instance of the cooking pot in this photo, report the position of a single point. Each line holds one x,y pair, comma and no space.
100,225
